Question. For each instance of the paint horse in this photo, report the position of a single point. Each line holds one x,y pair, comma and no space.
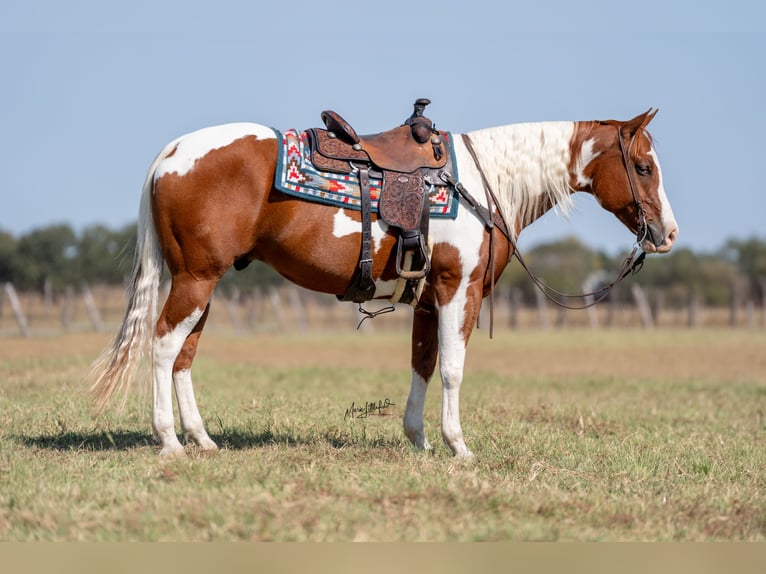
209,201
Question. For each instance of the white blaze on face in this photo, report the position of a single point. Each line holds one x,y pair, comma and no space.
196,145
669,224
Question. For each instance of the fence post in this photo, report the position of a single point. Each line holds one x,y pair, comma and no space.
542,309
298,308
591,284
21,319
643,306
592,312
233,305
276,304
659,304
67,308
47,298
90,307
762,283
252,314
734,303
693,309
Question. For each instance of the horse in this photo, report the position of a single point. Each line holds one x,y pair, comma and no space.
209,202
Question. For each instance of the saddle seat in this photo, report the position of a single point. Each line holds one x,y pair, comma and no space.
403,149
408,159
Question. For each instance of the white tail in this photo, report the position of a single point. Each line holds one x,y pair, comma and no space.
117,366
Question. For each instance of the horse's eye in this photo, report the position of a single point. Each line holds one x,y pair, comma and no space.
644,169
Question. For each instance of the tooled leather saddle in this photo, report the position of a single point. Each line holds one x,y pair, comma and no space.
408,160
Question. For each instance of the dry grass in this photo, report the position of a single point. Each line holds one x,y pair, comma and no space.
579,435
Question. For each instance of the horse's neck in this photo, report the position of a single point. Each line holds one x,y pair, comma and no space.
528,167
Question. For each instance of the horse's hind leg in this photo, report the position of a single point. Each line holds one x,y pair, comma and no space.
184,309
191,421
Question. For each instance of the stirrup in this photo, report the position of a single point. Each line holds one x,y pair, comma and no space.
409,241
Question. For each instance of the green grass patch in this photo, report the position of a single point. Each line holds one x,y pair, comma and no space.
574,451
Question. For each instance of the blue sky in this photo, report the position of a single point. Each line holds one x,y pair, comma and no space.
91,91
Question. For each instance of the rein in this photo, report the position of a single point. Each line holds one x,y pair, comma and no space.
493,217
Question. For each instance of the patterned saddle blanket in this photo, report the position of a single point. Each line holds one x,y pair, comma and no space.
297,176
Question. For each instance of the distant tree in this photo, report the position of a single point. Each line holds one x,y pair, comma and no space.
105,255
59,256
47,254
750,257
683,273
8,257
563,265
257,274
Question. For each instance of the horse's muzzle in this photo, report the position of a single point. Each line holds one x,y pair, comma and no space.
658,239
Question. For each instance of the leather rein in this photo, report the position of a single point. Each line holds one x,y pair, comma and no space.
492,217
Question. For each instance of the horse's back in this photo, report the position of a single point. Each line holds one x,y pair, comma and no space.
182,154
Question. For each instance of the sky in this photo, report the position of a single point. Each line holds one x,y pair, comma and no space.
91,91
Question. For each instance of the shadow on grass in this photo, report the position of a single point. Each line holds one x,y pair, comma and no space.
231,439
92,440
243,439
238,439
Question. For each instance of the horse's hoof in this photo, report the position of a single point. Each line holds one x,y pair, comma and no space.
206,444
422,444
462,453
170,452
200,439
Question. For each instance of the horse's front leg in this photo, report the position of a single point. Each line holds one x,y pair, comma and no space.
424,352
456,321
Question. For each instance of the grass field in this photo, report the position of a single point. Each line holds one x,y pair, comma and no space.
578,435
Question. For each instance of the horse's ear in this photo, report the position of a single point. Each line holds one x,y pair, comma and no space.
650,113
639,122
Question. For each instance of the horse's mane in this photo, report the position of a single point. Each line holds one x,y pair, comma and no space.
527,166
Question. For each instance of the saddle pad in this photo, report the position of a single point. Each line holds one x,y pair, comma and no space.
297,176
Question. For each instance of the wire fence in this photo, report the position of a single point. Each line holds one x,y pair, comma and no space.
290,309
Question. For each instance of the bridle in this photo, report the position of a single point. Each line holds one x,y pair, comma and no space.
493,217
642,228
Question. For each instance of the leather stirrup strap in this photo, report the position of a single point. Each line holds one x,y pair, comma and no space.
362,287
365,261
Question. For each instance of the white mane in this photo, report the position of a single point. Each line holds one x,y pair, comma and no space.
527,166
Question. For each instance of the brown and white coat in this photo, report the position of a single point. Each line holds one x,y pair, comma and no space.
209,202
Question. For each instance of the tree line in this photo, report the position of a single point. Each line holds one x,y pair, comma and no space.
57,256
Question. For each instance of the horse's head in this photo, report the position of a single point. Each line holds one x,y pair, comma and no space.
617,163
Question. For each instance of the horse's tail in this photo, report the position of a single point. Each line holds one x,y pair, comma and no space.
116,368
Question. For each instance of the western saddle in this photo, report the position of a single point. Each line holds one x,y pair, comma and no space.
408,159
